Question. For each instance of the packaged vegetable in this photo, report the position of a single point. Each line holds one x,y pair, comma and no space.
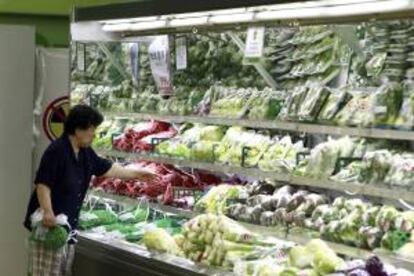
158,239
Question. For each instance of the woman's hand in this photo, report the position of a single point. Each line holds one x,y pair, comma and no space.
49,219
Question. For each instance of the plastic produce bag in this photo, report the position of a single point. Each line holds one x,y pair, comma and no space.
401,173
158,239
335,102
135,216
405,119
313,103
387,103
52,238
281,156
322,160
95,218
376,64
358,111
265,105
379,164
204,151
215,201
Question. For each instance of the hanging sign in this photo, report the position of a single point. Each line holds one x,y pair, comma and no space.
253,51
160,60
134,60
80,57
181,53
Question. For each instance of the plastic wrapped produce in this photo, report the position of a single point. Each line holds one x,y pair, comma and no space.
400,173
95,218
335,102
386,218
215,200
387,103
158,239
313,103
358,111
405,221
265,105
239,143
370,237
135,216
281,156
405,119
266,218
322,160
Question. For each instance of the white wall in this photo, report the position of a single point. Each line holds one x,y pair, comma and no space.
17,57
52,82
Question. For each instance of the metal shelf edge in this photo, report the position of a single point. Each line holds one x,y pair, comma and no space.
297,238
277,125
362,189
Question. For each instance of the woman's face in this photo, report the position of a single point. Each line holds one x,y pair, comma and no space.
85,137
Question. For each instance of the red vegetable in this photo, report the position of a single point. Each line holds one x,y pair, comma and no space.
169,177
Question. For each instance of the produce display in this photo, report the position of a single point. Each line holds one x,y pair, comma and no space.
219,241
358,76
129,224
140,137
315,56
348,221
169,177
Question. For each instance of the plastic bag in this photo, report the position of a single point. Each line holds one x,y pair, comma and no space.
313,103
52,238
158,239
335,102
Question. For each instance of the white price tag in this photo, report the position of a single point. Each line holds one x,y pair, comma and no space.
181,53
254,42
159,54
80,57
380,110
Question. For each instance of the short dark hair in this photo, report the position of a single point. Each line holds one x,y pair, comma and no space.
82,117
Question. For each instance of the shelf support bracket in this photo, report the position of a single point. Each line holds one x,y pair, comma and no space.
259,67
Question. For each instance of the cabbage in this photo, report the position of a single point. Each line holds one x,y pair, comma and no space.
56,237
216,199
300,257
204,151
325,262
268,269
212,133
317,245
158,239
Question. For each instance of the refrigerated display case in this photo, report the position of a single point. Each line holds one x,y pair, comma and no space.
303,110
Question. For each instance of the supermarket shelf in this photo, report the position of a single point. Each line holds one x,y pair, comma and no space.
360,189
133,257
299,236
135,201
277,125
302,237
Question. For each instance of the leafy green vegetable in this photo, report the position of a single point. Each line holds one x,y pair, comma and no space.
158,239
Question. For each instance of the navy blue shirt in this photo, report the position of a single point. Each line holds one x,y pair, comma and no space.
67,177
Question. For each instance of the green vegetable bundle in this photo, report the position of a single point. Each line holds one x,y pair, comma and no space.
95,218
